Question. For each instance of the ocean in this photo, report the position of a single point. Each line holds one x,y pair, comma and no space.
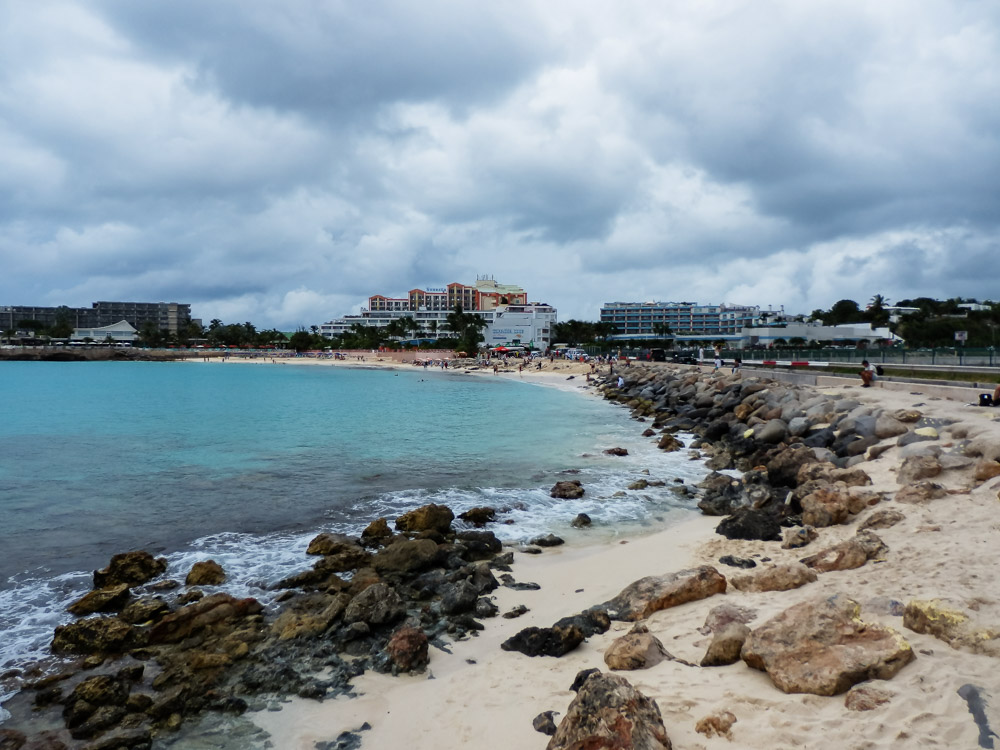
245,463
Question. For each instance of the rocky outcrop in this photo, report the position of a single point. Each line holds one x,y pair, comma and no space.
823,647
211,612
479,516
110,599
406,556
427,518
642,598
609,714
407,649
951,625
569,489
554,641
637,649
849,554
96,635
131,568
775,578
205,573
726,646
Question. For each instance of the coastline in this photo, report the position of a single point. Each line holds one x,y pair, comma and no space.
944,548
939,551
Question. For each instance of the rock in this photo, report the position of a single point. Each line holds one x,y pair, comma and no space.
568,489
748,523
96,635
829,473
616,452
479,545
427,518
881,519
205,573
866,696
907,415
827,506
329,544
609,714
377,529
479,516
720,723
915,468
726,645
545,723
737,562
723,614
798,536
986,470
638,649
784,467
849,554
915,436
775,578
921,492
642,598
458,597
379,604
590,622
407,649
773,432
110,599
11,739
887,426
669,443
515,612
638,484
103,718
582,521
311,618
549,540
823,647
544,641
485,608
951,625
211,612
138,738
407,556
132,568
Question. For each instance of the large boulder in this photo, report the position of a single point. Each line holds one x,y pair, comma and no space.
96,635
951,625
849,554
750,524
205,573
427,518
783,468
554,641
132,568
111,599
217,611
609,714
568,489
726,646
642,598
407,556
637,649
775,578
823,647
915,468
669,443
379,604
407,649
330,544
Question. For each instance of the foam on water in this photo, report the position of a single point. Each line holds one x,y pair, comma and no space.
32,605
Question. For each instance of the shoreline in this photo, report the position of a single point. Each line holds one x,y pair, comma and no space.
456,703
941,548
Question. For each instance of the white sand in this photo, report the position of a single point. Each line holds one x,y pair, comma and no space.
949,548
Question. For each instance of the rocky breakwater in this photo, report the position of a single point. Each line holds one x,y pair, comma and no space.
146,652
788,467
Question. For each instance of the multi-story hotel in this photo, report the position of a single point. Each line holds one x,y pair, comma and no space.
167,316
510,318
650,319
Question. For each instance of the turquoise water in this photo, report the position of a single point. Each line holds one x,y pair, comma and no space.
245,463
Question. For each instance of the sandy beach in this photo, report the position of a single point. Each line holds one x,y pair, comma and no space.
945,549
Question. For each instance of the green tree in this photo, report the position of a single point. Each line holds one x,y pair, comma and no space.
301,340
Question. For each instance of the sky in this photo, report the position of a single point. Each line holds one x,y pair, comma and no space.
280,161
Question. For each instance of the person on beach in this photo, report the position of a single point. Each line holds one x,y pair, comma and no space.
621,382
867,374
737,363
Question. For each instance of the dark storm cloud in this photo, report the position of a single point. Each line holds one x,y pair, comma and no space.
282,161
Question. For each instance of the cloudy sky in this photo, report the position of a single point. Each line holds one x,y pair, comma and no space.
279,161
